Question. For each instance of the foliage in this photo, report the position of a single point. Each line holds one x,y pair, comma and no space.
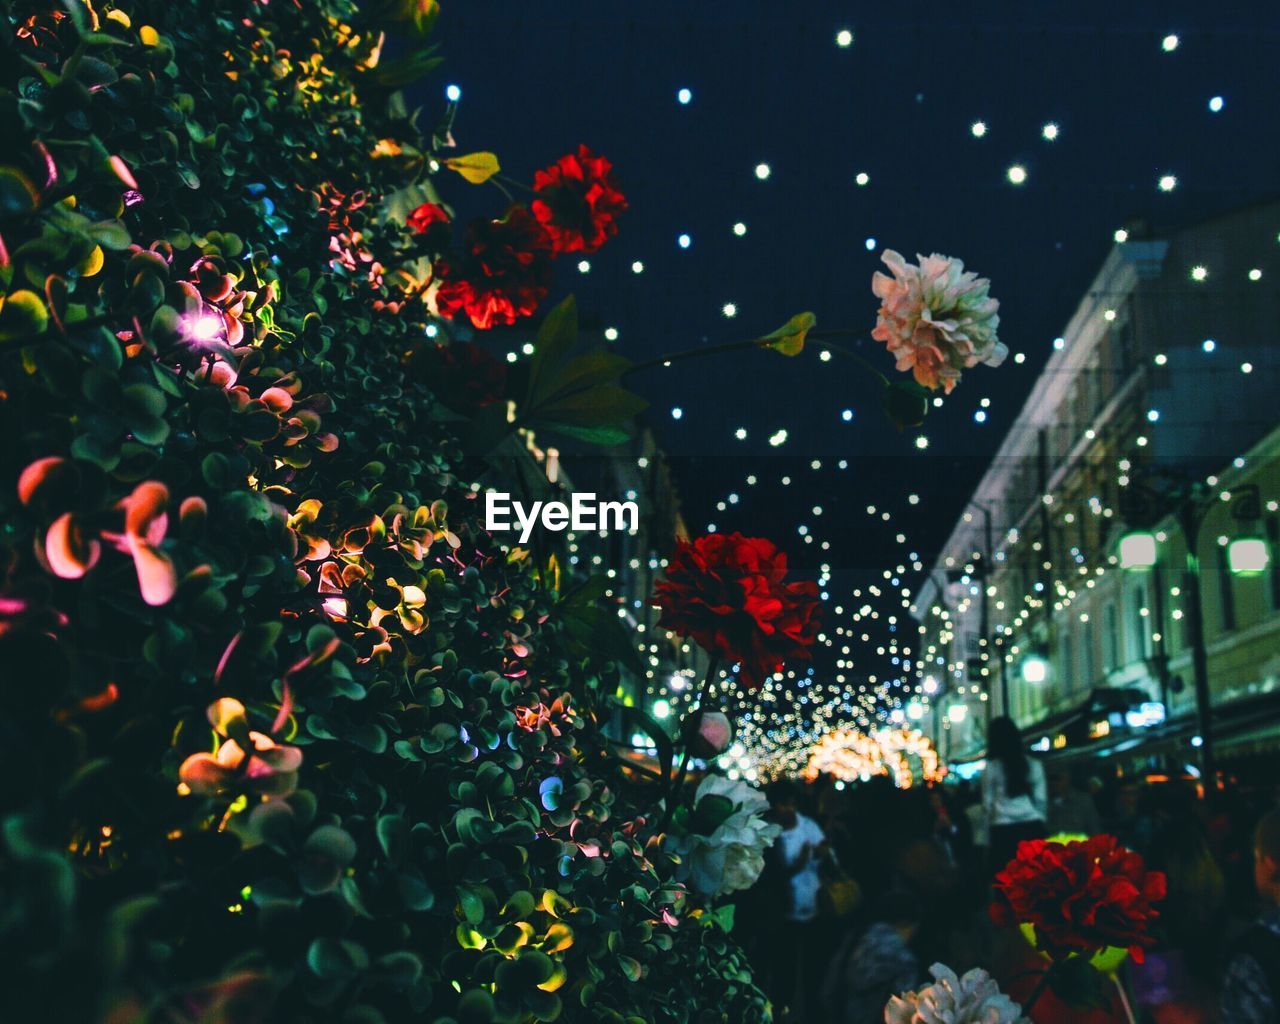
287,735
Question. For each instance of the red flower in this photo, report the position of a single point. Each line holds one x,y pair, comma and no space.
1081,897
578,201
430,219
726,591
503,273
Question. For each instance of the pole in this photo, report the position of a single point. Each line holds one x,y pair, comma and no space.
988,564
1189,518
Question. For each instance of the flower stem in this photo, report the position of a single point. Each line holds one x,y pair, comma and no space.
674,784
1124,999
815,338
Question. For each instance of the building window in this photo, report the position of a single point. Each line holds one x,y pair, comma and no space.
1226,592
1086,659
1066,670
1141,628
1110,638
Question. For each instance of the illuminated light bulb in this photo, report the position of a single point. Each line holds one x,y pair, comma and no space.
1049,132
1169,43
1161,359
1167,182
1255,274
863,178
847,415
1153,415
677,413
1199,272
763,171
684,241
978,129
844,38
584,266
204,327
870,243
1216,104
1246,367
922,442
729,310
1017,174
1121,235
1020,357
452,93
979,416
637,267
527,348
1109,315
684,96
778,438
611,334
739,229
741,435
1059,343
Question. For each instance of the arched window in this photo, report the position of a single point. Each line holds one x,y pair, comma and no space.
1110,638
1141,644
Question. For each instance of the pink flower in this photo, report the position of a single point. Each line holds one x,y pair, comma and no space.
936,318
267,768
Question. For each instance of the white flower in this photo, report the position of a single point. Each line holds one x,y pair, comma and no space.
936,318
731,856
973,999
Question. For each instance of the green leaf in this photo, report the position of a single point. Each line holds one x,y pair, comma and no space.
555,339
110,234
790,337
402,71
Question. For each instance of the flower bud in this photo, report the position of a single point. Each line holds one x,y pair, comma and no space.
708,733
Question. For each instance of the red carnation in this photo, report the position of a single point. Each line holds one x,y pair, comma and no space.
1081,897
502,274
726,591
578,201
430,219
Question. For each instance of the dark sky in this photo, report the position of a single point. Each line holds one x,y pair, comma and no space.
770,84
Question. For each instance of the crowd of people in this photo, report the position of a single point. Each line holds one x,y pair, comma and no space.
869,885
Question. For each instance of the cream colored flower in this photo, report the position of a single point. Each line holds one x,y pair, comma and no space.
973,999
729,855
936,318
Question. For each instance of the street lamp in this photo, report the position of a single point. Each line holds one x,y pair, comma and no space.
1138,550
1248,556
1035,669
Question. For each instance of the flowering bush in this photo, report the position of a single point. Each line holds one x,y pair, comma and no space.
1080,896
972,999
727,592
292,737
936,318
721,839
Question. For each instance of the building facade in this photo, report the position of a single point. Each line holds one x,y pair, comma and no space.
1155,418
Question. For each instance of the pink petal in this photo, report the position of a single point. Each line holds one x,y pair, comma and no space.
70,555
34,475
157,578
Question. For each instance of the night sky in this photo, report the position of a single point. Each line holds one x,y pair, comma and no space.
771,84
